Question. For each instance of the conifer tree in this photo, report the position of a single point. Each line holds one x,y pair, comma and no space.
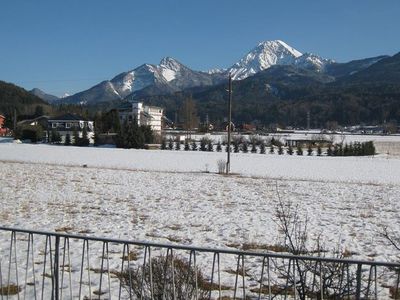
75,136
253,147
85,139
194,146
245,148
177,145
262,148
271,149
346,151
309,150
329,151
236,146
67,141
203,144
210,147
186,148
219,147
163,144
280,150
319,150
170,144
299,150
55,137
290,150
131,135
96,139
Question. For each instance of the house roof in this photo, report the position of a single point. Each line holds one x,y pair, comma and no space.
27,121
68,117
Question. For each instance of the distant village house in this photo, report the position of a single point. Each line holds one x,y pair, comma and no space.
68,123
3,130
145,115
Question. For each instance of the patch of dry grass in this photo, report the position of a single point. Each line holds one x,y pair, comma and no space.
240,272
174,227
11,289
275,290
208,286
64,229
132,256
256,246
348,253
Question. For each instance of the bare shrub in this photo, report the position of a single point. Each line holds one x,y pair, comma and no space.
165,278
336,279
391,238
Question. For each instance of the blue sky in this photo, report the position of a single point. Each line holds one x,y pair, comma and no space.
69,46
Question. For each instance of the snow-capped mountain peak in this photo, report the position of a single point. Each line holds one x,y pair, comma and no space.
277,52
279,46
263,56
170,63
169,68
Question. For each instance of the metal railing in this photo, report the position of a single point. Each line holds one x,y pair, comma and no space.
46,265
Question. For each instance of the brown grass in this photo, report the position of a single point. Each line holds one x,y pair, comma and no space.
11,289
85,231
207,286
64,229
174,227
132,256
348,253
98,270
255,246
393,294
240,272
275,290
98,293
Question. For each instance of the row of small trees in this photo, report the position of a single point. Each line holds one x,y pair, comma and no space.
76,140
352,149
205,144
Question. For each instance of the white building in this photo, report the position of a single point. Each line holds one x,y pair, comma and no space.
145,115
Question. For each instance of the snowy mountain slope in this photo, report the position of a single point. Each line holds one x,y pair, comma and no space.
169,75
313,62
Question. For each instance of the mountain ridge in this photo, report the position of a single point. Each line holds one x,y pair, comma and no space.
171,76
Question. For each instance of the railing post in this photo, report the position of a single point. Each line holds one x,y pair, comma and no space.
358,287
56,271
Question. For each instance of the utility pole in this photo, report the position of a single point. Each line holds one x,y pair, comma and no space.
228,161
15,122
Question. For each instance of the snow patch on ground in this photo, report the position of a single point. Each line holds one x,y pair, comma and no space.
166,197
377,170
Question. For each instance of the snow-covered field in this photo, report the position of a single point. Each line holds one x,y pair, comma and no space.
177,197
